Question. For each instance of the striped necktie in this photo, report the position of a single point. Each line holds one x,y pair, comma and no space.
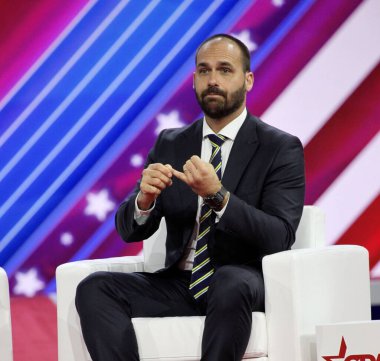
202,266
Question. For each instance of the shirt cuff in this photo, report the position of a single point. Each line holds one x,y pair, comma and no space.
140,215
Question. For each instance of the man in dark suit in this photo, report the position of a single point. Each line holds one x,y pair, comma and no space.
231,189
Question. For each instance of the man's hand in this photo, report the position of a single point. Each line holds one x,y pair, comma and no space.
200,176
155,178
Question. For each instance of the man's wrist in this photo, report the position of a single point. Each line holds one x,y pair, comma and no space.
217,200
143,202
225,201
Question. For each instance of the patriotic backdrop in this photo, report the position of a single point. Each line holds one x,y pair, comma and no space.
86,86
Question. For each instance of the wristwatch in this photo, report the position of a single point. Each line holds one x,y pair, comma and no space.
215,201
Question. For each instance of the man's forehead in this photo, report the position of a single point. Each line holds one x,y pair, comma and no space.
220,50
218,43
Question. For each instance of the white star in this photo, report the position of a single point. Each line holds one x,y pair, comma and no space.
170,120
28,283
66,239
278,3
245,37
99,204
137,160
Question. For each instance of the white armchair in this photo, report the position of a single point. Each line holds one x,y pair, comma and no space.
306,286
5,319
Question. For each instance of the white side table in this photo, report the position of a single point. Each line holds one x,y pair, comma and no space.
349,341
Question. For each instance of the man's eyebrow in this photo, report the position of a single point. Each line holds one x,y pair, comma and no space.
222,63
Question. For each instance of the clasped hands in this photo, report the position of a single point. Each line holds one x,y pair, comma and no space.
199,175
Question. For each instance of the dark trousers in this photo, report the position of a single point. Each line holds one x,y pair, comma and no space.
106,302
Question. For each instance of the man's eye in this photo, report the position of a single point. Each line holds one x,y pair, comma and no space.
226,70
202,71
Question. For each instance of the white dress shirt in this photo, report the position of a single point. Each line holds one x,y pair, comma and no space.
230,132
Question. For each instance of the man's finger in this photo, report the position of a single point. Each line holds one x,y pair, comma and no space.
181,176
197,161
156,174
189,165
161,168
150,189
158,183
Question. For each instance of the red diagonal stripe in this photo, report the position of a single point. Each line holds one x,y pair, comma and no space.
365,231
27,29
342,138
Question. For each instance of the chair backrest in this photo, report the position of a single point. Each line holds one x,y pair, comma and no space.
5,319
311,230
310,234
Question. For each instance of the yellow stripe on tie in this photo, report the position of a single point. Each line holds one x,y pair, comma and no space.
203,233
218,167
207,260
199,280
200,250
216,151
214,145
201,292
205,216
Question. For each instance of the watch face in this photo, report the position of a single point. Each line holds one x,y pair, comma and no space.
216,200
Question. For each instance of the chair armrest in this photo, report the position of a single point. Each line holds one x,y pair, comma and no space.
69,275
5,319
306,287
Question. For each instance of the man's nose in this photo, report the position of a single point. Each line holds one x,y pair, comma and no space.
212,80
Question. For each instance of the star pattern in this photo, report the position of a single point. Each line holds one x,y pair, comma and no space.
66,239
28,283
166,121
278,3
245,37
137,160
99,204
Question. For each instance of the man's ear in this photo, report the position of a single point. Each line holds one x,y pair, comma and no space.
249,80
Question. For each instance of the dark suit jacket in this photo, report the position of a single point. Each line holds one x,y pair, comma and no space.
265,176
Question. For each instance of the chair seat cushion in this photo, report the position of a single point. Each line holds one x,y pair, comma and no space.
179,338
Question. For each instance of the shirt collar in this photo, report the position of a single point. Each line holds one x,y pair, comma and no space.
230,130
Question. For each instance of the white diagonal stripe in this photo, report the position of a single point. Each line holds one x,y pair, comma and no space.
351,193
331,76
45,55
93,109
108,126
77,90
62,72
375,273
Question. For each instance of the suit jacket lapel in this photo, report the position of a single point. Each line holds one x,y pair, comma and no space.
189,144
243,149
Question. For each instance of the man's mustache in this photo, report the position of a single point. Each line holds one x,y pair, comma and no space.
213,90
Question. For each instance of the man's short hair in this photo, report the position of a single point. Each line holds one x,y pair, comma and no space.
246,56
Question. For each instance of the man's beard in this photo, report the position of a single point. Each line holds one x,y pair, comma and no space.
220,107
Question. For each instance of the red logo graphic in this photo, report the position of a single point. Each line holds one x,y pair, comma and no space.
342,355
